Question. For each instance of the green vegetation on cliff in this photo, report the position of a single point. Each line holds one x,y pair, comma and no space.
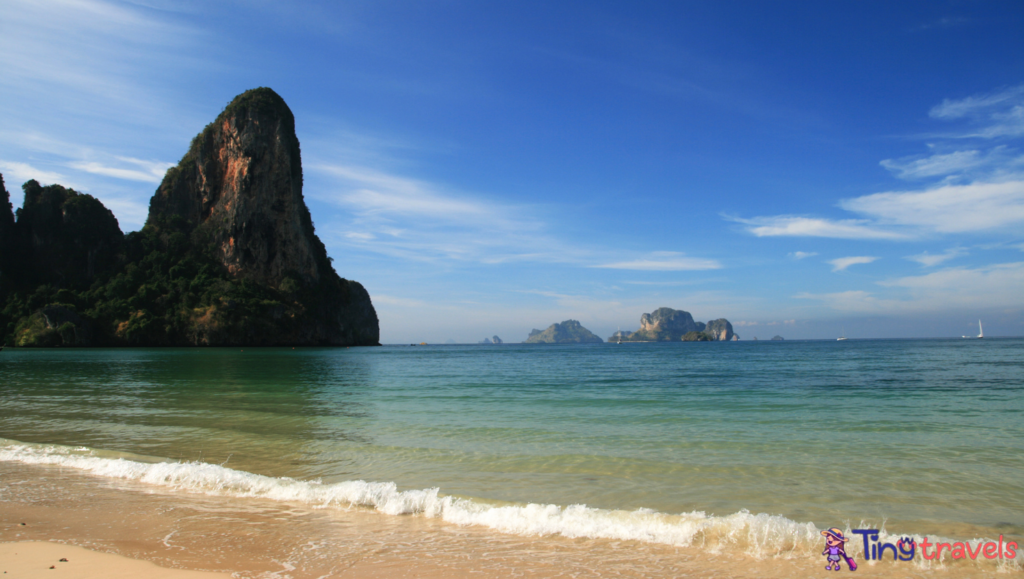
160,288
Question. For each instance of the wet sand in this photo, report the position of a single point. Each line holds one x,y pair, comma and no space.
263,538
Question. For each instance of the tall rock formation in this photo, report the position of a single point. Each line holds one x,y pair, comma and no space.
64,237
567,332
665,325
240,185
720,330
239,190
228,256
669,325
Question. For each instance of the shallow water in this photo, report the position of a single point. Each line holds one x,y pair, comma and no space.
772,439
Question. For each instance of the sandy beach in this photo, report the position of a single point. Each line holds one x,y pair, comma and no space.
30,559
109,528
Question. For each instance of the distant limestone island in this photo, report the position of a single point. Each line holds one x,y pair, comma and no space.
668,325
661,325
228,255
567,332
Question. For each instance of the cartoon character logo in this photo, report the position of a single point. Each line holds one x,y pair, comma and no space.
835,550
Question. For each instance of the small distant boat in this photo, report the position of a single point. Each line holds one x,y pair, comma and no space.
981,332
842,337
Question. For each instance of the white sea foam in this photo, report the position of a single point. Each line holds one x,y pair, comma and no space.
758,535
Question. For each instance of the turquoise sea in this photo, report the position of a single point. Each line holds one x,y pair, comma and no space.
684,444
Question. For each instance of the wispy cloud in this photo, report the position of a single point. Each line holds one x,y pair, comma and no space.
977,190
373,192
979,104
96,49
947,290
918,167
931,260
948,209
998,114
413,219
664,261
146,171
842,263
802,254
17,172
801,226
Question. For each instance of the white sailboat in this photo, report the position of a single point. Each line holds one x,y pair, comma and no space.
842,337
981,332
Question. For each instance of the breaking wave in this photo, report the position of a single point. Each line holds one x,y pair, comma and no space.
758,535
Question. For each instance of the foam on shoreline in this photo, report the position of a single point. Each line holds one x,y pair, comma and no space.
760,536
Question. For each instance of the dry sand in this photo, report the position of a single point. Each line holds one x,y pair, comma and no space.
31,559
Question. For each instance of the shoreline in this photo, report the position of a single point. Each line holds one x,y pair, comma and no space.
255,537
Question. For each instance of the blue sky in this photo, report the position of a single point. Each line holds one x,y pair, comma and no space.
491,167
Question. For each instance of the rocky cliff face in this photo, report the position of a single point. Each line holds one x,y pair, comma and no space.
61,236
664,325
669,325
240,184
239,191
567,332
720,330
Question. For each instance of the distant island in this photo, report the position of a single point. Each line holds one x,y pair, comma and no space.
227,257
494,340
778,339
567,332
669,325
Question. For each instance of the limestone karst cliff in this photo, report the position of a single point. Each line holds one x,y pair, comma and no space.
669,325
228,255
239,190
567,332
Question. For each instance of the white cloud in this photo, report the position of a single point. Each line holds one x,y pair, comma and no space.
417,220
664,261
799,226
146,171
16,173
972,105
374,192
360,236
842,263
916,167
949,208
930,260
948,290
106,54
802,254
994,115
